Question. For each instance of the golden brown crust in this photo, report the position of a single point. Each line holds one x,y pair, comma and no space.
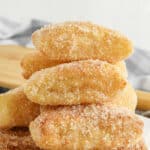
139,146
35,61
16,139
82,82
16,109
20,139
86,127
126,98
72,41
122,68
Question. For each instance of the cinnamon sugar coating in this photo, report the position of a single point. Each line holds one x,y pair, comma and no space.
72,41
81,82
125,98
86,127
36,61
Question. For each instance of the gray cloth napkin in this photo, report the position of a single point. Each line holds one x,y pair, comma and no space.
138,65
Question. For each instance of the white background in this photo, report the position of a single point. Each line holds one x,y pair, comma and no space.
132,17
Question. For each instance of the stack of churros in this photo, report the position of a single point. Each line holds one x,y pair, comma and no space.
76,96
